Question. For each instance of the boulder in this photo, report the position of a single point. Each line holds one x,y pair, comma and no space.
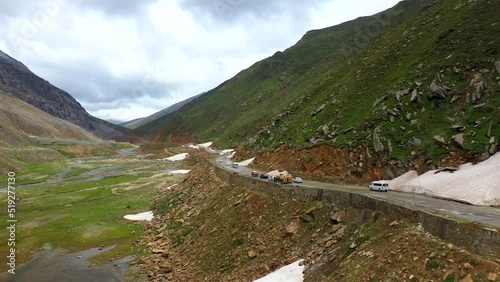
325,129
415,141
478,91
458,140
440,140
438,92
337,217
455,98
408,117
394,112
348,130
493,149
377,143
397,95
458,127
497,66
293,226
479,106
415,98
484,156
252,254
321,108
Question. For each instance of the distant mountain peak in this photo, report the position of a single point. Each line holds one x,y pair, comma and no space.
18,81
12,61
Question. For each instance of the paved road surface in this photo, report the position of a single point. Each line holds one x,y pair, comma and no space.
489,216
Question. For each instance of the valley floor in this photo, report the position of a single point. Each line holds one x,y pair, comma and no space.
71,213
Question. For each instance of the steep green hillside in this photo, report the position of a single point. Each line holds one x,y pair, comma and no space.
340,85
252,97
456,47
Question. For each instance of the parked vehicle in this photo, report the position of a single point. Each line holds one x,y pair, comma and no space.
297,180
264,176
381,186
255,174
235,165
283,179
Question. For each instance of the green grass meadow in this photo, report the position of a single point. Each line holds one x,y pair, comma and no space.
77,215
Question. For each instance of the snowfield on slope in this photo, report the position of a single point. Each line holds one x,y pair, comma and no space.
145,216
246,162
178,157
180,171
290,273
475,184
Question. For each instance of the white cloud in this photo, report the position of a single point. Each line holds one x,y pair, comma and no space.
127,59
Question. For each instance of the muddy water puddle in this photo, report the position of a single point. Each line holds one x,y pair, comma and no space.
63,266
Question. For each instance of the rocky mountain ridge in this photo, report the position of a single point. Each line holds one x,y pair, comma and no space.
18,81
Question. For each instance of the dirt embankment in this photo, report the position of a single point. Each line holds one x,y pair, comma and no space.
207,229
357,165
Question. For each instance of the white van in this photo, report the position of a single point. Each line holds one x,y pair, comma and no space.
380,185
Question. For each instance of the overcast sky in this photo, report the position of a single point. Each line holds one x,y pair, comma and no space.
124,59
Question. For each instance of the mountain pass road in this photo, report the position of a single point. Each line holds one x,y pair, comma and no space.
489,216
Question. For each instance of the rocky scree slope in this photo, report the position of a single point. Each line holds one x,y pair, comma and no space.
18,81
205,228
424,88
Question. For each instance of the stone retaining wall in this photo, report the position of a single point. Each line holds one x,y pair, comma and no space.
472,236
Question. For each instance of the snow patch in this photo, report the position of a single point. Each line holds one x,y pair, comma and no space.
208,144
290,273
180,171
177,157
171,187
246,162
145,216
226,151
476,184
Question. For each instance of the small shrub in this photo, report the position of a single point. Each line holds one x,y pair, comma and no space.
238,242
433,264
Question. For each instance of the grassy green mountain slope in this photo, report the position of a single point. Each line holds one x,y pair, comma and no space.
393,81
142,121
251,98
455,46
